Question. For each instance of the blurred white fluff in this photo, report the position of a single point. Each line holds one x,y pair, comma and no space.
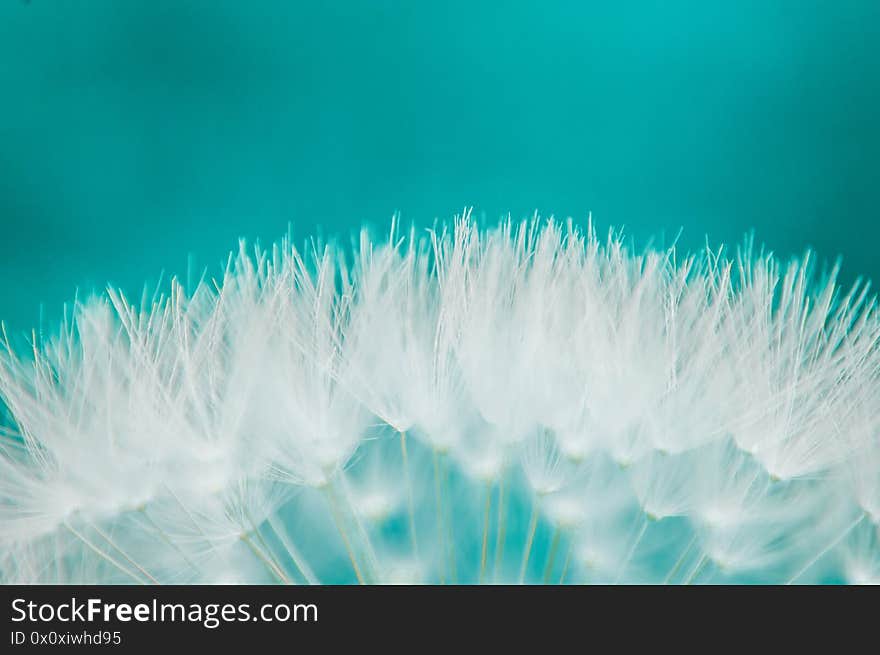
527,403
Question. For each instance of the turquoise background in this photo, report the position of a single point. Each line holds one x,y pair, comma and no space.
135,134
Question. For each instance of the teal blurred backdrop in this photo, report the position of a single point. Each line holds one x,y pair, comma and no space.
134,135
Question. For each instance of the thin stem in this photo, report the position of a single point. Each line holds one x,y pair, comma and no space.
268,551
632,550
58,576
168,539
123,553
533,524
334,510
364,548
551,556
409,496
271,566
438,495
102,554
294,553
697,569
836,541
52,563
565,566
502,528
485,530
372,561
448,515
681,560
192,520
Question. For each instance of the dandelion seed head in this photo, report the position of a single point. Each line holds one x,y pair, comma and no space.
451,405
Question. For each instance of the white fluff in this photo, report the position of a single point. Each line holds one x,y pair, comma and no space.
524,403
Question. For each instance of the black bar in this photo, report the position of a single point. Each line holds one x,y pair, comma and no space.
377,617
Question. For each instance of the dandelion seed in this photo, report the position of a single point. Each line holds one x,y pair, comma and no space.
524,403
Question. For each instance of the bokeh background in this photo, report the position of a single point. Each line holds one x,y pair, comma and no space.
145,136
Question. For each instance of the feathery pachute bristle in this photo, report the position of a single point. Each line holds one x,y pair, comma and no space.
527,403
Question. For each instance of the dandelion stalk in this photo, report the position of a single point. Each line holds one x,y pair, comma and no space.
633,548
695,572
102,554
119,550
530,537
565,566
441,531
551,555
340,527
293,552
410,503
680,560
501,528
264,559
485,530
827,548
